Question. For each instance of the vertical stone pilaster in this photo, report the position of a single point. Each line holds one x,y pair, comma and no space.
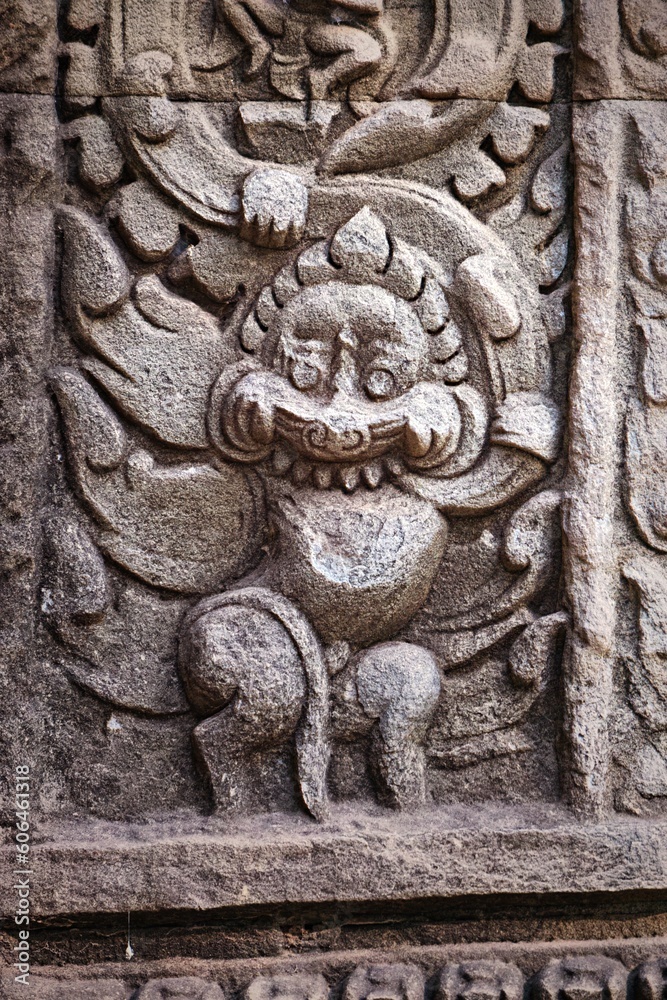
27,192
590,563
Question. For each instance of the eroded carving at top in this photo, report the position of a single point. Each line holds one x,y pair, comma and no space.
368,50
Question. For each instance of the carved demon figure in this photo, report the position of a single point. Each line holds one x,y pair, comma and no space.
279,467
378,390
355,396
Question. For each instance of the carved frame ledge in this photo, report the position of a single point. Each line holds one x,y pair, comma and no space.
354,856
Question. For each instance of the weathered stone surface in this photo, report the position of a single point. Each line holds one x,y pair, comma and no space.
621,49
28,46
332,526
355,855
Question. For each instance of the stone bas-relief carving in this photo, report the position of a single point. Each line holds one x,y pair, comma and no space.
621,49
296,398
592,976
628,626
365,49
333,517
643,741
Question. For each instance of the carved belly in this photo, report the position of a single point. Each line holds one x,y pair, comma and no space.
360,566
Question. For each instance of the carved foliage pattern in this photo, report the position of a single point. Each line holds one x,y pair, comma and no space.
646,572
295,380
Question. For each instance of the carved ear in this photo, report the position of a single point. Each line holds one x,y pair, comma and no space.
156,354
492,294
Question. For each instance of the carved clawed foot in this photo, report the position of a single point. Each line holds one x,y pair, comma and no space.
240,669
274,208
396,685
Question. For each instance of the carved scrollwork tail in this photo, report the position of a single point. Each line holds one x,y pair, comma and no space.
589,562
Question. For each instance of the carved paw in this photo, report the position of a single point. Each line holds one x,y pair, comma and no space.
392,691
274,208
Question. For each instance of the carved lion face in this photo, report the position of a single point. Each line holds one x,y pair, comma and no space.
354,359
347,380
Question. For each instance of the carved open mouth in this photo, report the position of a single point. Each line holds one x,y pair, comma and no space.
338,435
422,424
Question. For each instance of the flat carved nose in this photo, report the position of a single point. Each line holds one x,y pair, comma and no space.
346,379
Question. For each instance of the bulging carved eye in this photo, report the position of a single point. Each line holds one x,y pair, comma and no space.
380,384
304,376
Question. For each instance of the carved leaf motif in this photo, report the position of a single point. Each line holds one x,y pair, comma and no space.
181,152
78,586
535,70
158,359
514,131
482,701
548,190
646,462
128,657
95,280
653,368
148,222
646,24
646,417
547,15
100,160
477,175
483,50
529,547
648,576
25,26
516,351
397,133
554,308
553,259
157,355
485,704
185,527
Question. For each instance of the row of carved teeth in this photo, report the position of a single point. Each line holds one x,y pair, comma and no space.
333,475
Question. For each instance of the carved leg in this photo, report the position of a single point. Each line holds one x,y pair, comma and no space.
244,16
398,685
358,53
241,664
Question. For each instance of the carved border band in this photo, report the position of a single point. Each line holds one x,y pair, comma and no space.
595,970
